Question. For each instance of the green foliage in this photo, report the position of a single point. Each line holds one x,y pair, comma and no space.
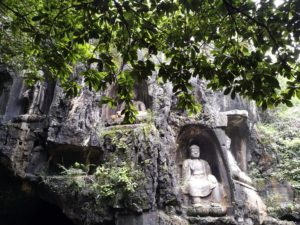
273,204
278,211
280,135
119,135
76,175
112,181
116,182
75,170
258,180
241,47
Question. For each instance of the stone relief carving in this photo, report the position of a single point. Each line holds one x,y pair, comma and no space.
200,187
237,173
140,107
241,179
198,180
35,99
141,101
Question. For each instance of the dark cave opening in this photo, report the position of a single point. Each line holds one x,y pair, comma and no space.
20,204
34,212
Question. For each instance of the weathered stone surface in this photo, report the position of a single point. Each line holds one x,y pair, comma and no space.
272,221
165,219
74,121
212,221
41,128
146,218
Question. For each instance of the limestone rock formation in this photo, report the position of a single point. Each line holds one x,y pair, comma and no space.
54,149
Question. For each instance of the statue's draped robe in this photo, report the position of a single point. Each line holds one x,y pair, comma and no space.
197,178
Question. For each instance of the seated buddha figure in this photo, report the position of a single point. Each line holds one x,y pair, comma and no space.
138,105
198,181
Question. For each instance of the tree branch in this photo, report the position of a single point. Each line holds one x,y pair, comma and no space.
237,10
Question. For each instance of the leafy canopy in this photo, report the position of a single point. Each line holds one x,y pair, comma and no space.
240,47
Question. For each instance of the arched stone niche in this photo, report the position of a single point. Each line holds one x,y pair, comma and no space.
211,151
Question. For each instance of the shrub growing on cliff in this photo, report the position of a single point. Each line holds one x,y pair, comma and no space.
112,182
281,137
238,46
115,183
75,175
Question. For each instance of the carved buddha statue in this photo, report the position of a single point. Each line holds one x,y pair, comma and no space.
198,181
139,106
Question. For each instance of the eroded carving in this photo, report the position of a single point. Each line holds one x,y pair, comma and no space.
244,185
34,98
200,186
139,106
141,102
237,173
197,177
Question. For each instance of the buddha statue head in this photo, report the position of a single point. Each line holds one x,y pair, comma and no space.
194,151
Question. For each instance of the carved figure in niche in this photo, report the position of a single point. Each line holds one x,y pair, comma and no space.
236,171
140,107
34,98
198,182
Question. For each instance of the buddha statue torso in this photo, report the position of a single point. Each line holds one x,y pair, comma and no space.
197,178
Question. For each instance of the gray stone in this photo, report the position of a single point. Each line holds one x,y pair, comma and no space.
40,128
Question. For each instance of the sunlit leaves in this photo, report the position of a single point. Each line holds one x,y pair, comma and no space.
111,102
71,88
240,47
95,79
187,101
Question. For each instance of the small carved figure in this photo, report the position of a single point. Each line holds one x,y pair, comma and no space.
198,181
34,98
140,107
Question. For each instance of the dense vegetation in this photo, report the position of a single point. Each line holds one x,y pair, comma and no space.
239,46
111,183
280,136
279,162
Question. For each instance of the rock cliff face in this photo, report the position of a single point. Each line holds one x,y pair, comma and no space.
43,131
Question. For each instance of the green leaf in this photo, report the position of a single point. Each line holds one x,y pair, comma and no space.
288,103
232,95
298,94
183,39
227,91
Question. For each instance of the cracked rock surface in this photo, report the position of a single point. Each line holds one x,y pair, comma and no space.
41,131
